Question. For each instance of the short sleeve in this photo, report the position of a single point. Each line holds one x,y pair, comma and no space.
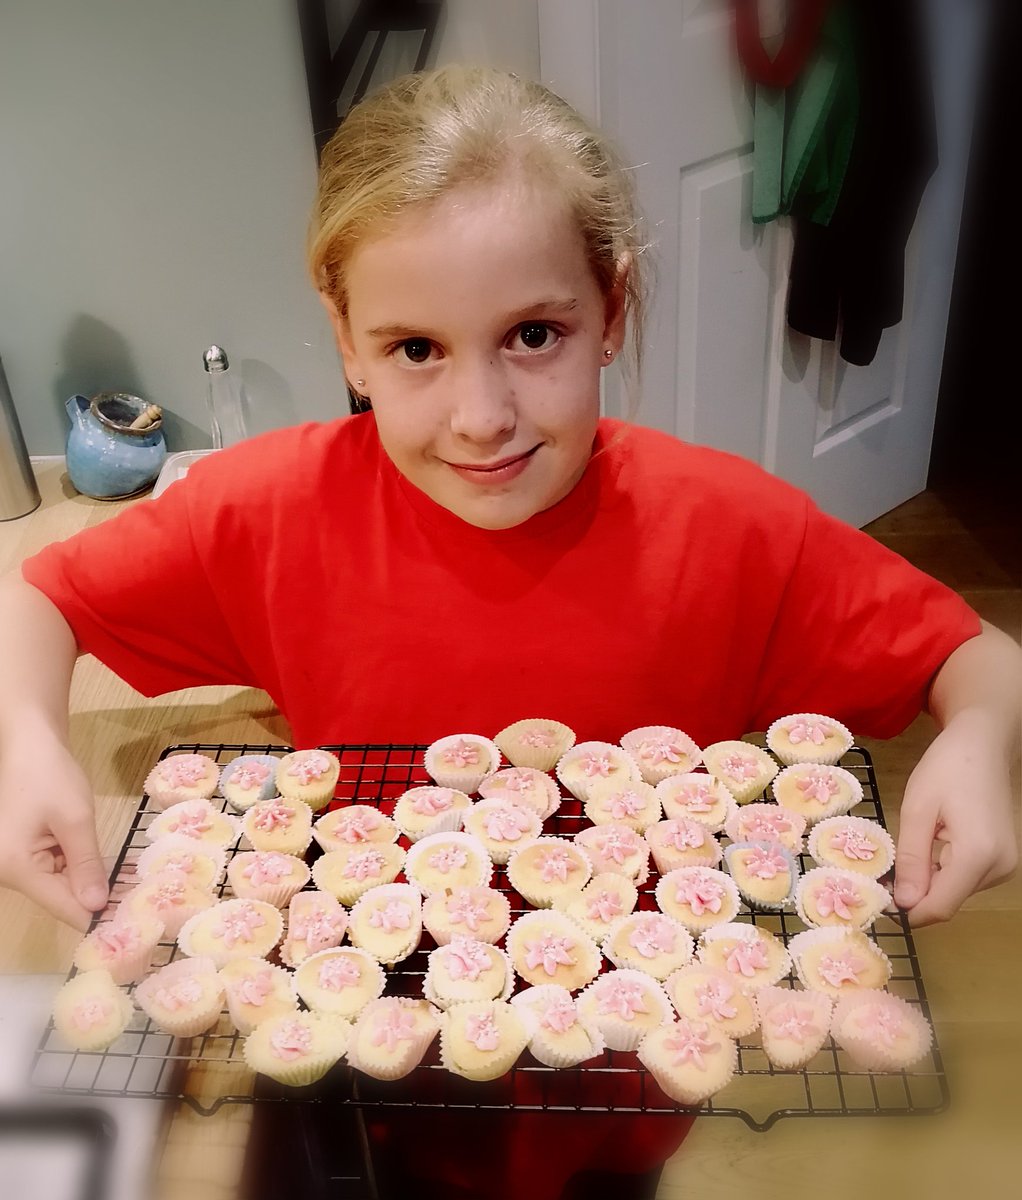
136,593
859,633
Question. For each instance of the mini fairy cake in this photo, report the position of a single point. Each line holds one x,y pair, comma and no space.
267,875
342,981
854,844
660,751
256,992
391,1036
278,824
448,860
632,803
585,764
170,897
547,868
560,1038
297,1048
604,900
461,761
315,921
815,791
197,820
536,743
248,779
767,823
90,1012
349,873
765,873
308,775
352,826
232,929
830,896
839,961
424,810
123,947
794,1024
698,897
202,865
881,1032
752,957
502,826
690,1060
710,994
616,849
650,942
483,1038
548,947
184,998
181,777
479,912
744,769
524,786
808,738
465,969
625,1006
387,922
696,797
682,842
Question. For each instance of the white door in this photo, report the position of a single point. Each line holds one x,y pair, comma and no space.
722,368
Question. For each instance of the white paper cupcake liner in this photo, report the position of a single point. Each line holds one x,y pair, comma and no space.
840,939
362,1054
816,1007
441,928
574,905
633,958
807,752
354,825
695,922
539,757
527,824
587,956
306,1069
745,790
328,871
868,1052
166,851
544,1045
693,1090
634,866
622,767
611,802
443,1001
123,965
373,980
280,892
758,902
745,1019
739,929
180,819
417,862
536,891
168,897
668,857
837,807
740,825
247,1016
318,792
715,818
517,1030
89,990
191,1019
162,793
877,898
673,741
295,838
447,820
618,1032
294,949
465,780
543,797
875,868
239,798
266,938
399,948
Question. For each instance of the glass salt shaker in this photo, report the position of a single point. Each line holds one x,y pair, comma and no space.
227,420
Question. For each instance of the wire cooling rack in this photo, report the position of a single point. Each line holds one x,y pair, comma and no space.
146,1062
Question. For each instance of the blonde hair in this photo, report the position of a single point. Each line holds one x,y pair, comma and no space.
429,132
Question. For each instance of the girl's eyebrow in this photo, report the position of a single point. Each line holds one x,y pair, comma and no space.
559,306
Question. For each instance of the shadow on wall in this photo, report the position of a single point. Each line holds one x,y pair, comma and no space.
267,401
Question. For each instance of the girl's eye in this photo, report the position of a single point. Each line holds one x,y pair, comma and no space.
535,335
416,350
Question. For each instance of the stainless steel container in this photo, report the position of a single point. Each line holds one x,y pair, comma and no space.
19,494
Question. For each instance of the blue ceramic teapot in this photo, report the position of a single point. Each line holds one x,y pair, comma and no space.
116,445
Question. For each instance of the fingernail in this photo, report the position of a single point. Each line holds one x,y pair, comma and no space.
93,897
906,896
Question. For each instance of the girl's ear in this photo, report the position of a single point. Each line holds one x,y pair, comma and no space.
342,332
615,307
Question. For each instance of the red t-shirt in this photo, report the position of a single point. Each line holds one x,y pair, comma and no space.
675,585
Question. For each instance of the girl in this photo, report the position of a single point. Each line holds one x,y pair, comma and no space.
482,547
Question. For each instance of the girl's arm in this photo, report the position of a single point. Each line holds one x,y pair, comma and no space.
49,849
960,794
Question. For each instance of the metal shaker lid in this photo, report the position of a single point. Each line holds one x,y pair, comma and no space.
215,360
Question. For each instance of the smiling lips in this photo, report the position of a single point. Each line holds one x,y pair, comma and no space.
499,472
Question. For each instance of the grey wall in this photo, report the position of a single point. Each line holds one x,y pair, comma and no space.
156,169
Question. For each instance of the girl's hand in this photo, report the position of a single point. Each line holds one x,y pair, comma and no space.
959,798
49,849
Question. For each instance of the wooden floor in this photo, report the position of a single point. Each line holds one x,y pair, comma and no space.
972,966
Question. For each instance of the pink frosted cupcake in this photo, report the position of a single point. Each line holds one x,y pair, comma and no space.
713,995
341,981
482,1039
853,844
256,992
297,1048
839,961
829,896
249,779
349,873
202,865
170,897
502,826
387,922
352,826
280,825
181,777
744,769
184,998
123,947
462,761
424,810
650,942
560,1038
682,842
232,929
464,970
590,762
479,912
315,921
535,742
690,1060
616,849
661,751
196,820
90,1012
444,861
547,868
808,738
310,776
794,1024
698,897
548,947
752,957
766,823
392,1035
267,875
525,787
632,803
696,797
625,1006
765,873
880,1031
816,792
604,900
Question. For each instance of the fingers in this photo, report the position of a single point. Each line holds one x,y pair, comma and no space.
914,857
961,872
76,833
53,893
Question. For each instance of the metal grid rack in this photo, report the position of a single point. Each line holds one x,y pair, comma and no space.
146,1062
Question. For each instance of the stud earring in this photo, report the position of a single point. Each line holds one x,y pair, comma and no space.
360,383
608,354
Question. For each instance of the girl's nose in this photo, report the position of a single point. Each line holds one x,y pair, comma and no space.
482,401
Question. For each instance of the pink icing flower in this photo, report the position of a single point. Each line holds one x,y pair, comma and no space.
763,827
267,868
506,824
430,802
517,780
193,822
794,1021
178,995
183,771
356,825
616,844
604,907
624,998
881,1023
688,1043
661,750
837,969
461,754
397,1025
255,989
464,909
395,914
702,893
538,737
87,1014
765,862
713,997
560,1015
746,957
466,959
338,973
853,844
167,894
114,939
481,1031
739,767
274,814
556,863
808,729
291,1041
309,767
653,935
696,797
818,784
239,925
179,861
447,859
687,835
249,775
596,763
364,864
319,929
623,806
549,951
835,897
